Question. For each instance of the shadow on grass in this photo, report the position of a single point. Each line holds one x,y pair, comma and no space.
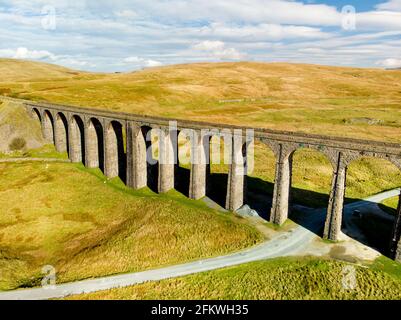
367,222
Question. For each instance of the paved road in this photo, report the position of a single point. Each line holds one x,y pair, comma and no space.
283,245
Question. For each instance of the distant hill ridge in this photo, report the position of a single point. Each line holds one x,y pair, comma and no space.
283,96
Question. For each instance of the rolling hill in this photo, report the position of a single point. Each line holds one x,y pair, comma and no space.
354,102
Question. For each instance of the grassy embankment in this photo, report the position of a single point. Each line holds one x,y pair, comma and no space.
86,226
390,205
278,279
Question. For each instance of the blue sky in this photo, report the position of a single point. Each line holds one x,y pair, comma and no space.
124,35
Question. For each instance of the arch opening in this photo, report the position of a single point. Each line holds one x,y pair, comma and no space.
182,168
372,222
151,137
217,168
310,187
260,179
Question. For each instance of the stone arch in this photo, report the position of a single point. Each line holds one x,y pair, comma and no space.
330,154
316,190
115,157
77,139
94,144
61,133
36,114
369,174
48,126
352,156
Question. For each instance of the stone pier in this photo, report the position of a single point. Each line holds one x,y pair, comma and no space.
166,160
47,127
236,190
136,156
197,183
75,141
282,186
91,145
110,151
332,227
60,134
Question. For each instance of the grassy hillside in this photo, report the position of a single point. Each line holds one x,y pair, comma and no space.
72,218
352,102
279,279
18,132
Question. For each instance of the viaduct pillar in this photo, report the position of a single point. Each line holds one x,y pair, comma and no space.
166,160
60,134
332,228
136,157
75,141
237,175
197,182
91,145
282,185
110,151
47,128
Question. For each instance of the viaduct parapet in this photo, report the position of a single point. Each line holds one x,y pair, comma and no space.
117,143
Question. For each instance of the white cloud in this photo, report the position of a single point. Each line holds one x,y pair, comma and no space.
218,49
245,11
129,14
379,20
141,62
24,53
392,5
261,32
209,46
98,35
27,54
390,63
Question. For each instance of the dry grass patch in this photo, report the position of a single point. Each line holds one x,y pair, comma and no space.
278,279
86,226
295,97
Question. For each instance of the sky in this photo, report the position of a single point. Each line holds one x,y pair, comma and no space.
126,35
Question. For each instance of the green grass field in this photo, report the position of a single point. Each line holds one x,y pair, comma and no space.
278,279
390,205
86,226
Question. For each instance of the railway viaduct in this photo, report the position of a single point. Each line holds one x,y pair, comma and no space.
119,144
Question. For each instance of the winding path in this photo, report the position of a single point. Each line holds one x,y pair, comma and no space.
285,244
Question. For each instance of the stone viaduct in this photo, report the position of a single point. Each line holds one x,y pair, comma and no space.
95,137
